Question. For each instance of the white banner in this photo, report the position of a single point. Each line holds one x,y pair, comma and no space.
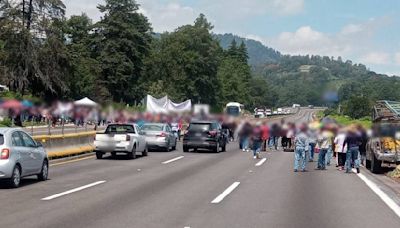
165,105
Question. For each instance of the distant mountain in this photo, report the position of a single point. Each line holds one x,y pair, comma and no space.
258,53
313,79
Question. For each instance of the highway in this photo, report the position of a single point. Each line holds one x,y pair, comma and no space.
197,190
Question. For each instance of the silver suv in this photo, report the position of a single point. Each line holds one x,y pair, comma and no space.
21,156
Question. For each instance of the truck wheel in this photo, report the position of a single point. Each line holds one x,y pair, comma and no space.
99,155
113,154
185,149
376,165
367,164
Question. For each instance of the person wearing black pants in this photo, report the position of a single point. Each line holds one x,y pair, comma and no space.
340,151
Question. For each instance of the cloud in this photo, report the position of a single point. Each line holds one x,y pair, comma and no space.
169,16
89,7
351,41
376,58
163,16
397,58
306,40
238,9
255,37
288,7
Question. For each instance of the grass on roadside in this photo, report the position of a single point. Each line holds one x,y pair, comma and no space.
346,120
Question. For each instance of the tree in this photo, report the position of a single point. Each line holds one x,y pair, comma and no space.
35,60
243,55
233,77
357,107
123,38
260,93
84,69
186,61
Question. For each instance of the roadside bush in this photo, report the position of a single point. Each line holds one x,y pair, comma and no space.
6,122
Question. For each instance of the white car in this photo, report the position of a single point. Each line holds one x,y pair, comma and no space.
260,115
21,156
121,138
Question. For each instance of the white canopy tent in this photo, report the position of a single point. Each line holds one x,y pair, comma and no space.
85,102
165,105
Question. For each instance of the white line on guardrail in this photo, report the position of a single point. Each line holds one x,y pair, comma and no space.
172,160
73,190
227,191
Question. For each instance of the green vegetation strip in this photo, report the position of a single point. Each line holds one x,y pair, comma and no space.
346,120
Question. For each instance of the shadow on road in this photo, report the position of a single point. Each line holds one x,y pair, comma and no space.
24,182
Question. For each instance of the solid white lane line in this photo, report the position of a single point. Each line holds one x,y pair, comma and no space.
226,192
261,162
172,160
384,197
73,190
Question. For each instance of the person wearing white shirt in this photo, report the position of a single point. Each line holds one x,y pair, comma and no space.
339,149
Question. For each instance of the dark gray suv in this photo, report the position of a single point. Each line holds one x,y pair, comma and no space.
204,135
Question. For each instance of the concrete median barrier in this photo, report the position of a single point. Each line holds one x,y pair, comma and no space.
66,145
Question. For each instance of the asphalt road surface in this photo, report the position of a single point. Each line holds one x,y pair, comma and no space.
198,190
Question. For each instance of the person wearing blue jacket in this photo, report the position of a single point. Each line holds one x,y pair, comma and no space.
302,144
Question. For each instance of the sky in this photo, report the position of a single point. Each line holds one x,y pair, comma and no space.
364,31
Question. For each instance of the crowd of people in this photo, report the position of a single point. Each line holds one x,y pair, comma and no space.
347,145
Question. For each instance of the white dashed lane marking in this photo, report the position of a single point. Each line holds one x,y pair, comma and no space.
174,159
261,162
73,190
227,191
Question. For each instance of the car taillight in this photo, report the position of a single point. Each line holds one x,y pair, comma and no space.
5,154
128,138
212,133
162,135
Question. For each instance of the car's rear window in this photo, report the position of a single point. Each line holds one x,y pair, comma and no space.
1,139
151,127
120,129
199,127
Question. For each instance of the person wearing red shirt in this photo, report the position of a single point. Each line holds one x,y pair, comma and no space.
265,135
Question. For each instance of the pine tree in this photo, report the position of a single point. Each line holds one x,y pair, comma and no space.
123,38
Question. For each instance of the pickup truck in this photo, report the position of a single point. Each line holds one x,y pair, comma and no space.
384,144
120,138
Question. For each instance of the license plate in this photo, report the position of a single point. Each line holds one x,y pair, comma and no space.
198,134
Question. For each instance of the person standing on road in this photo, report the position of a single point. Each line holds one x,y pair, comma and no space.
283,133
329,153
363,145
324,142
340,151
312,134
301,148
256,140
274,136
353,142
244,135
265,135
